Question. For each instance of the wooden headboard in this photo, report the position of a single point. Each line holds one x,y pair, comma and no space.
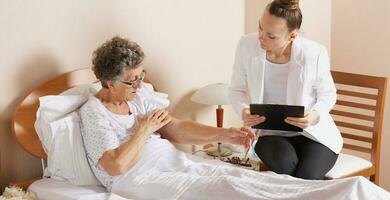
23,119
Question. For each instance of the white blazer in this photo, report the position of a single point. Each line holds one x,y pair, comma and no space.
309,84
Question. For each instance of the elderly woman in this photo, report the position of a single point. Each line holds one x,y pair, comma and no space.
128,133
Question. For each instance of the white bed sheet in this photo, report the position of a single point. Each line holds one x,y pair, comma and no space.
49,189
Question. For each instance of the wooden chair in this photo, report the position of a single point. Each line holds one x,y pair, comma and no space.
23,119
359,116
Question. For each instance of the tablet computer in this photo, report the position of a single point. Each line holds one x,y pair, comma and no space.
275,114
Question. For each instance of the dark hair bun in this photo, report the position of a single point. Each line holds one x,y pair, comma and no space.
288,4
288,10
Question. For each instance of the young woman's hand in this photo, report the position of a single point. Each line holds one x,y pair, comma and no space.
241,136
154,121
305,121
251,120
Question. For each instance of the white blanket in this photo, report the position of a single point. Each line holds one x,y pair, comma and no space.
166,173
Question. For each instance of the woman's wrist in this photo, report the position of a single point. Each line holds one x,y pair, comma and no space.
225,135
245,111
142,132
221,135
316,117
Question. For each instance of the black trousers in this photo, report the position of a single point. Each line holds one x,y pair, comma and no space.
297,156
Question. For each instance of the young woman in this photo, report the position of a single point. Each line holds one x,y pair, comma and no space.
276,66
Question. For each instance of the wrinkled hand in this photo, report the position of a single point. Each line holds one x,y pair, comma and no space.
251,120
154,121
241,136
305,121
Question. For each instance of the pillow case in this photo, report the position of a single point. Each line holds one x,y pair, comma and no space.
54,107
58,128
67,159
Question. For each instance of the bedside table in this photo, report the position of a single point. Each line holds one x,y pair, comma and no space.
255,162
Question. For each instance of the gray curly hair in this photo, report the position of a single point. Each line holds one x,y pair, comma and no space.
114,57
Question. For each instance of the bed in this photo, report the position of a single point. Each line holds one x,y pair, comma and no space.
87,187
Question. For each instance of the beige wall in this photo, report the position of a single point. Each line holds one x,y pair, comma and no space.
316,23
187,46
361,44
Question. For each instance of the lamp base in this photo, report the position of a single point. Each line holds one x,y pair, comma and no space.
219,151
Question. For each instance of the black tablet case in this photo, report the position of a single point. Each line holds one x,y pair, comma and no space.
275,115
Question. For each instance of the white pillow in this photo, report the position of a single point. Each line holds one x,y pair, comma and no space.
58,128
67,159
54,107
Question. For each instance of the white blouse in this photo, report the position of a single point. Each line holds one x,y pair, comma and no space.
275,91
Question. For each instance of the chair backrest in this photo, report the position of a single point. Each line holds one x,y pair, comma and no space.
359,111
23,119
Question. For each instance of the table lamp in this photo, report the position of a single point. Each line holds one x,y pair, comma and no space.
214,94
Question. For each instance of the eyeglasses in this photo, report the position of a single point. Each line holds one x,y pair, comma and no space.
136,82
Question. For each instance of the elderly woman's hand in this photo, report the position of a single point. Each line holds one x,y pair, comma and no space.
241,136
304,122
154,121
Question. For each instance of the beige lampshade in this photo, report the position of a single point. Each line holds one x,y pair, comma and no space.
213,94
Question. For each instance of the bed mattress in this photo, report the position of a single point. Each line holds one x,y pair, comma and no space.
49,189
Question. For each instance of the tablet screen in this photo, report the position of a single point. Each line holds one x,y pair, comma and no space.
275,114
